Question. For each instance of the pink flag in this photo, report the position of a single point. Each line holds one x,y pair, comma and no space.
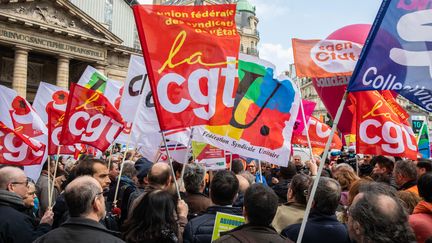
299,124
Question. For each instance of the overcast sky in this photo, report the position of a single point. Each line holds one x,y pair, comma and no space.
281,20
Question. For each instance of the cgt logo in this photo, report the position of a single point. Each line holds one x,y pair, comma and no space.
15,151
336,56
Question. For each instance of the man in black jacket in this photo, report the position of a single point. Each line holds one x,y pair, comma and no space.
84,198
223,190
15,225
260,205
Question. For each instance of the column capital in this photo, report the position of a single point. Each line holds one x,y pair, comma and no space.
22,48
63,57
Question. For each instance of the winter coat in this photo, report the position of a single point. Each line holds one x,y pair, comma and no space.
421,221
319,228
197,203
250,233
77,229
288,214
200,229
15,225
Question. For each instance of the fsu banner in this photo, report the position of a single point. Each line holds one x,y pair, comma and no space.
382,128
319,133
50,104
398,53
192,69
262,121
325,58
90,119
18,149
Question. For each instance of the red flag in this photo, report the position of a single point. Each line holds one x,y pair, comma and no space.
19,149
55,124
90,119
382,126
318,133
192,69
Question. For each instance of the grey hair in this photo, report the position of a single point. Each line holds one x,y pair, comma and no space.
80,194
129,169
406,168
7,175
193,177
327,195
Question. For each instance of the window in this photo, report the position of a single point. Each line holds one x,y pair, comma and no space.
108,13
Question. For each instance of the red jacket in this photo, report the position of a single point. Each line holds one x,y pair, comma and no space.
421,221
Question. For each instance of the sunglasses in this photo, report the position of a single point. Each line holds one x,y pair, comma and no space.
26,183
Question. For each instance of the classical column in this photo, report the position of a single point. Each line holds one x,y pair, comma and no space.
19,82
63,72
100,67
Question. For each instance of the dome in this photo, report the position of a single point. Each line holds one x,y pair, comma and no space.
244,5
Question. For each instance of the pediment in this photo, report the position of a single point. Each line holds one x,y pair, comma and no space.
60,16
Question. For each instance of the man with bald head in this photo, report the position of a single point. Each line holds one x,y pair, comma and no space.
377,217
84,197
15,225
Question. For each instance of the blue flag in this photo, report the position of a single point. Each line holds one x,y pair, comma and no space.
398,52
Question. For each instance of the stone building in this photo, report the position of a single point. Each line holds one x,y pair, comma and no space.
246,20
54,41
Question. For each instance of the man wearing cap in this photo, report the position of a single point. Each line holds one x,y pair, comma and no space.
143,167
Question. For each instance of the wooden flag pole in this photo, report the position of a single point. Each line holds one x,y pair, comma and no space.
171,164
321,166
121,170
49,183
186,159
305,122
54,177
110,155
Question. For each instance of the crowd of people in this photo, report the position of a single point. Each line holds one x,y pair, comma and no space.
376,199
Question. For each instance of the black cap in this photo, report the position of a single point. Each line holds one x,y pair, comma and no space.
143,167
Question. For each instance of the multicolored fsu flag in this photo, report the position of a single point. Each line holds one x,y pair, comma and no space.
262,121
423,141
382,126
318,133
90,119
192,69
398,53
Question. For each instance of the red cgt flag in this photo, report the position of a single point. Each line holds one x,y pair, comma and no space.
192,69
19,149
382,126
90,119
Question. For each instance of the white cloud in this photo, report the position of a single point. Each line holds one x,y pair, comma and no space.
277,54
270,9
145,1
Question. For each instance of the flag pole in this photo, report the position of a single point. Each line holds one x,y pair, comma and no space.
171,164
321,166
260,171
54,176
110,155
121,170
186,159
49,183
306,127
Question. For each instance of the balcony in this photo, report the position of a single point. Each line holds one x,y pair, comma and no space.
252,51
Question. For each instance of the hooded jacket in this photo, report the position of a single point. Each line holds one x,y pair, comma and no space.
15,225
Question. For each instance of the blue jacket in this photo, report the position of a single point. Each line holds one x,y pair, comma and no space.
319,228
200,229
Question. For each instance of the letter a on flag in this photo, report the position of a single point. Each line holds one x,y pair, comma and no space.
398,53
90,119
192,69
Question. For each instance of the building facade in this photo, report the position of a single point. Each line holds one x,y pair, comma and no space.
246,20
54,41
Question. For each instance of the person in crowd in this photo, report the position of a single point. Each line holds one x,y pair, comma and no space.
159,177
92,167
248,176
142,166
114,171
15,224
322,224
375,216
237,166
43,188
345,175
30,201
423,166
84,198
259,177
405,175
260,205
365,166
293,211
154,219
300,166
421,219
178,167
280,186
383,169
223,190
194,184
243,186
409,200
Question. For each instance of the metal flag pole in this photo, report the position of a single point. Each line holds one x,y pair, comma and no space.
49,183
260,171
172,168
121,170
110,155
186,159
306,127
321,166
